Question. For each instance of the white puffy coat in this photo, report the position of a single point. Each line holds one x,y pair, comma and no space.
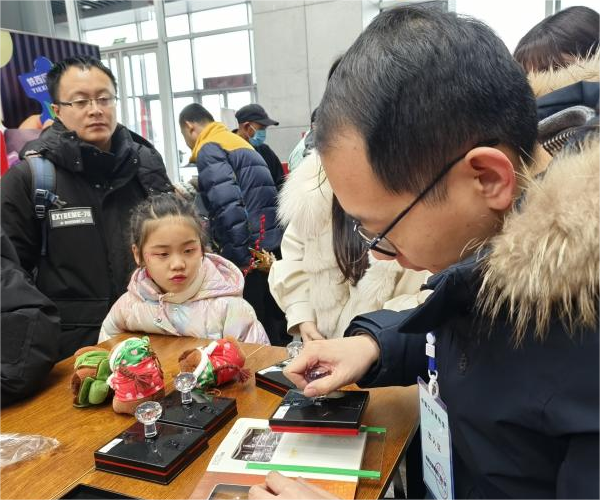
306,282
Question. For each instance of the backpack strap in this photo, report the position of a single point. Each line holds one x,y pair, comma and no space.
43,187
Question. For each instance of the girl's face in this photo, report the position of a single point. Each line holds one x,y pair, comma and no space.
172,254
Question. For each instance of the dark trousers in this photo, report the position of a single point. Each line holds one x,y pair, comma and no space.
257,293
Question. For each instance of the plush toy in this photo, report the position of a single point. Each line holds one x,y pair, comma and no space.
137,375
219,362
88,384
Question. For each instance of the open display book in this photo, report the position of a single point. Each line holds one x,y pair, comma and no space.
250,450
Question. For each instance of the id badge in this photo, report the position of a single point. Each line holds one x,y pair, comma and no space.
435,444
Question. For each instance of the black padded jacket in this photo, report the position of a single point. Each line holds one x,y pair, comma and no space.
30,325
88,265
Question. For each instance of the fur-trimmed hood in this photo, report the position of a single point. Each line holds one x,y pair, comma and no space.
586,70
545,260
541,270
306,198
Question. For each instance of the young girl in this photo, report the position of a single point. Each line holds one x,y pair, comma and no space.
179,289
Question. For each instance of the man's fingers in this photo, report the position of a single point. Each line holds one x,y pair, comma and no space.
319,492
322,386
259,492
276,482
296,369
310,356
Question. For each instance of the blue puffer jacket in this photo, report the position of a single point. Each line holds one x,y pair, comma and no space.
237,189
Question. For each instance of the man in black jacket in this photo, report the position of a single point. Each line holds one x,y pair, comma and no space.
253,121
102,171
427,133
30,326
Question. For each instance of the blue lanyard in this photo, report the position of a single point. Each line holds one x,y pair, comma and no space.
433,386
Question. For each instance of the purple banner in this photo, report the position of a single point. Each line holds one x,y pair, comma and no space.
23,78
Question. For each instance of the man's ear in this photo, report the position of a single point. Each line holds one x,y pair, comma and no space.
136,255
189,127
494,176
56,109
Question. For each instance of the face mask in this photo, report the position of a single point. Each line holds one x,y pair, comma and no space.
259,137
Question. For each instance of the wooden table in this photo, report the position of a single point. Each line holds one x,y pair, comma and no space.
82,431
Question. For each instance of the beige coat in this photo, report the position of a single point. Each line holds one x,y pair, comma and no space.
307,283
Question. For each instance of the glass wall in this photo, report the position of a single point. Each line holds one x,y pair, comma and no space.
512,19
209,56
502,18
117,22
210,61
592,4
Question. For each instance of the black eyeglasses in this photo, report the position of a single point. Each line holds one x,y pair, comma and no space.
81,104
379,242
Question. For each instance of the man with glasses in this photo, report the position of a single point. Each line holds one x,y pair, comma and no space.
78,250
427,134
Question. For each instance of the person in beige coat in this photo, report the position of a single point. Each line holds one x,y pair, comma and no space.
307,283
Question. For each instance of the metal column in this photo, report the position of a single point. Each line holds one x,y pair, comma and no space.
73,20
166,94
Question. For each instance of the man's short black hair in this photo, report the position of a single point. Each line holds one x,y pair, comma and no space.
195,113
421,87
82,62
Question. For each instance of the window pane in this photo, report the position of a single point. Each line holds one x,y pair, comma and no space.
155,129
151,73
177,25
136,73
112,64
119,114
114,67
235,100
106,37
213,103
180,63
149,30
183,152
144,118
220,55
133,121
186,173
216,19
500,16
145,73
128,85
592,4
252,58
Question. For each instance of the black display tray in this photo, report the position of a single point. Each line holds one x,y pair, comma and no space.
208,413
158,459
340,412
85,492
273,380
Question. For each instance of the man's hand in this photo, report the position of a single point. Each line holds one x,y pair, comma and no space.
346,359
308,331
279,486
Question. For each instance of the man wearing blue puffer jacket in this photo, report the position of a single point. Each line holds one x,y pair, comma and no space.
238,191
